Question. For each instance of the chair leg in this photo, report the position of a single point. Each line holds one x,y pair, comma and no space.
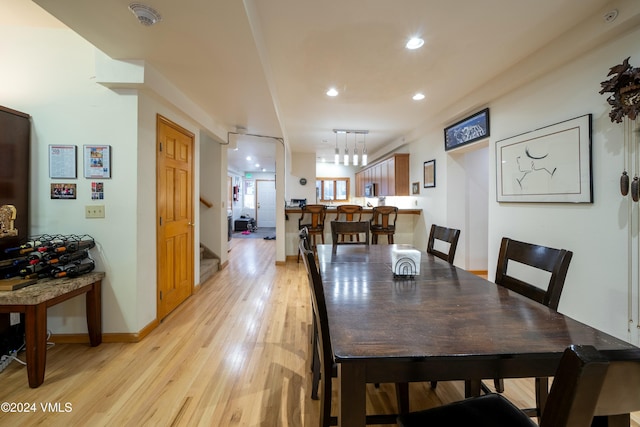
499,385
390,236
402,396
542,392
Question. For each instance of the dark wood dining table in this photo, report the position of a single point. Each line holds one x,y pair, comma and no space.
443,324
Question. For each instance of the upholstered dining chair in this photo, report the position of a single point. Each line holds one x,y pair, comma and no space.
449,236
348,213
323,349
383,223
553,261
588,385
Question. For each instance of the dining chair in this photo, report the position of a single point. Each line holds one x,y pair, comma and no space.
553,261
588,385
349,213
383,223
312,218
446,235
328,367
443,236
351,228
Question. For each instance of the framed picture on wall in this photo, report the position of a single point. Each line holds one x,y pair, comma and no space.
97,161
468,130
62,161
430,173
548,165
415,188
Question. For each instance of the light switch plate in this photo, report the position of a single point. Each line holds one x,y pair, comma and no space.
94,211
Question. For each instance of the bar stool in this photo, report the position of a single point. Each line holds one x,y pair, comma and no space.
383,222
349,213
313,219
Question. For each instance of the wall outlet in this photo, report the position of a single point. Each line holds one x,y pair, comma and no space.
94,211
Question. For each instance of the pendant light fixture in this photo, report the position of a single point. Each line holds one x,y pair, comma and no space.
357,159
355,149
364,149
346,150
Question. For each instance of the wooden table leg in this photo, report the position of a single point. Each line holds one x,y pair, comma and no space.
94,313
472,388
352,393
36,343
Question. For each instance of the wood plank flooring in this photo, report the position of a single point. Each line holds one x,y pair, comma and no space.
234,354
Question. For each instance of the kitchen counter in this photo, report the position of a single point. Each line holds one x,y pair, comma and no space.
406,226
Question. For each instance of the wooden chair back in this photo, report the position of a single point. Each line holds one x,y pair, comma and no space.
384,217
444,234
554,261
590,383
356,228
313,217
349,213
323,341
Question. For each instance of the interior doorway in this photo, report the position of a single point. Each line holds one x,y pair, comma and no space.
265,203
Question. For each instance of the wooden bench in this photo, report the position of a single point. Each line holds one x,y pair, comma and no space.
34,300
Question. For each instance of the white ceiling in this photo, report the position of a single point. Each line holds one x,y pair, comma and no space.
265,65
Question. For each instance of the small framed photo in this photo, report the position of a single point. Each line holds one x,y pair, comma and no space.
63,191
430,174
97,161
415,188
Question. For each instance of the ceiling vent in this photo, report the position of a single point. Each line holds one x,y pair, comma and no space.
145,14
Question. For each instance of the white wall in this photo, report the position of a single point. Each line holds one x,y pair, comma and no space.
49,74
596,287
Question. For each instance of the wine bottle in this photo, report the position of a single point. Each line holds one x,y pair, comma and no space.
27,245
40,268
76,246
66,258
75,270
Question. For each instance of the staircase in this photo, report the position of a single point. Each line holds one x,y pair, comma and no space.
209,264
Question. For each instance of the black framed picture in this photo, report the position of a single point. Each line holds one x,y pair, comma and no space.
430,174
468,130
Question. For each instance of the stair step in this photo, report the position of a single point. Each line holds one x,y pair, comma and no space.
208,267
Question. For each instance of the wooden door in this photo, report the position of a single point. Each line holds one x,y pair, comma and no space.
175,215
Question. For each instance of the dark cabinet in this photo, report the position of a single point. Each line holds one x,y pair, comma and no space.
15,128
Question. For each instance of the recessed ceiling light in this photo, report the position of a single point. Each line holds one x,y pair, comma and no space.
418,97
257,165
332,92
249,158
414,43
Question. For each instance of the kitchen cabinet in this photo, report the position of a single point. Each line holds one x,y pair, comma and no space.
391,175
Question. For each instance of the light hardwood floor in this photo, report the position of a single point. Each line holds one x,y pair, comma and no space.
234,354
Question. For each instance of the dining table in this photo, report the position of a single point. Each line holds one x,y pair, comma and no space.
442,324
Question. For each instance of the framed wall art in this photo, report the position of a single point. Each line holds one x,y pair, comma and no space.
430,174
415,188
468,130
63,161
97,161
549,165
63,191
